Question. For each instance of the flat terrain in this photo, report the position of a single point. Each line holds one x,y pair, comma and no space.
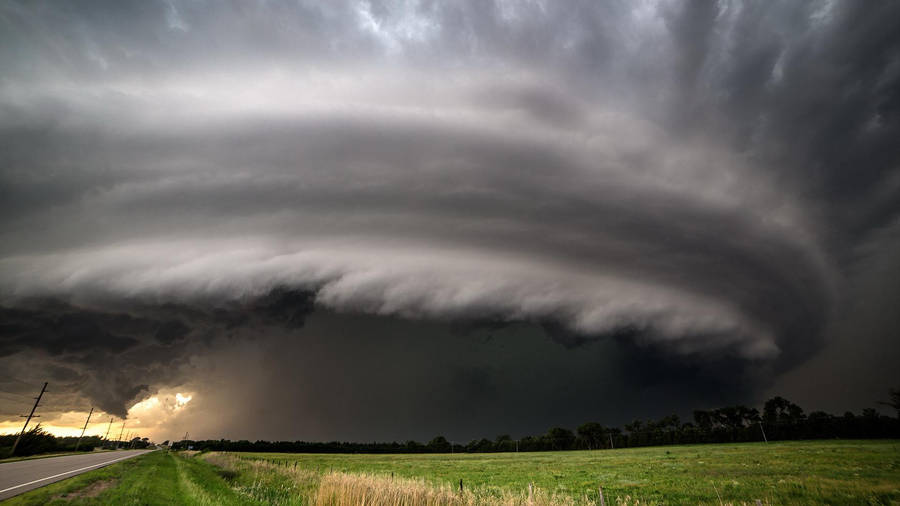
797,472
808,472
23,475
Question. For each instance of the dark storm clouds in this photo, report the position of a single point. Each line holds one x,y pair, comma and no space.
695,198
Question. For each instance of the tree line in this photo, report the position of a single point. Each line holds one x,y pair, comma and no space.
780,420
37,440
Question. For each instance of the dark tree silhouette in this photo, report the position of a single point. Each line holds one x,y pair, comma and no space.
894,402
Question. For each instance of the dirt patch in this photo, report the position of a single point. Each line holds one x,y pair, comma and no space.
92,490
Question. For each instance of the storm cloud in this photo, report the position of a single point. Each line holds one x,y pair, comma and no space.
705,191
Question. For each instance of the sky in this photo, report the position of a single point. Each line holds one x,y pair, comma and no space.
367,220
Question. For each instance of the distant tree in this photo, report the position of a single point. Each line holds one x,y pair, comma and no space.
561,438
669,422
819,416
593,434
894,402
530,443
35,441
504,443
480,445
781,410
736,417
819,425
439,444
703,419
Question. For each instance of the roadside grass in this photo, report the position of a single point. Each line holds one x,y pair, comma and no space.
155,478
264,481
796,472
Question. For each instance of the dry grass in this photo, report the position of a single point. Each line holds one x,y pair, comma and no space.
260,468
342,489
345,489
285,482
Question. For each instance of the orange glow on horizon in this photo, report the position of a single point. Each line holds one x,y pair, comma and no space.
147,418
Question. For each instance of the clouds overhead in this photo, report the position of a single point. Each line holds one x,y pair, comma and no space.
701,183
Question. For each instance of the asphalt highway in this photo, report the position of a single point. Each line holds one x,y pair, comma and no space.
24,475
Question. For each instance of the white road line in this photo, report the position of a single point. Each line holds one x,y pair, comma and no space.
65,473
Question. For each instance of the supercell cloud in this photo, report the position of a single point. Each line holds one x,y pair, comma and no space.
704,195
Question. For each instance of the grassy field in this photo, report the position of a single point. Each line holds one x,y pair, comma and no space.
814,472
803,472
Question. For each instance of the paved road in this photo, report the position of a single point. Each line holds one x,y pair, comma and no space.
25,475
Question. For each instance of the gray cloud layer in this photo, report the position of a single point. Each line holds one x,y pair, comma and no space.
706,181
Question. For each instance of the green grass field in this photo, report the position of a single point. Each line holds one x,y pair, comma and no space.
804,472
807,472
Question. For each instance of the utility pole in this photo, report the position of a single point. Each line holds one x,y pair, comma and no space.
120,435
107,429
84,428
611,445
30,416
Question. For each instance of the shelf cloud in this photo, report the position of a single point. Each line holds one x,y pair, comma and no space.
709,186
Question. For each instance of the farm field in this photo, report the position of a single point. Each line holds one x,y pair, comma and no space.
806,472
797,472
